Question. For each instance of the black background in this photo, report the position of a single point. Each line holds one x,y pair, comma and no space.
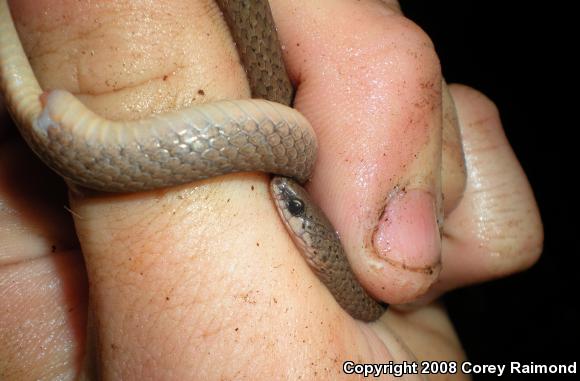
520,54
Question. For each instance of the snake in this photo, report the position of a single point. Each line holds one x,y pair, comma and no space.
262,134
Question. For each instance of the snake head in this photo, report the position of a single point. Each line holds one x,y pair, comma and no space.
310,229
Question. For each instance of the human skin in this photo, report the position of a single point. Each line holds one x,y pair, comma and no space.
202,281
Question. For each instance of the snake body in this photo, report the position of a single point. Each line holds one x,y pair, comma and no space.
196,143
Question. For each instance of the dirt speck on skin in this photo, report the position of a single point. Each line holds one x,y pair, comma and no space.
247,297
201,92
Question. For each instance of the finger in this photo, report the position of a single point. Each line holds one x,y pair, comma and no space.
42,279
183,276
43,324
453,171
374,97
496,229
429,333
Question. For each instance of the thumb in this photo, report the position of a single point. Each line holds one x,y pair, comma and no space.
373,96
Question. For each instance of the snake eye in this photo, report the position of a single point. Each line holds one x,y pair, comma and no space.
295,207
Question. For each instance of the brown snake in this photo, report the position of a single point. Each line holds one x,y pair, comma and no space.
199,142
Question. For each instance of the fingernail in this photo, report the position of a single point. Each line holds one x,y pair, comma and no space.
407,235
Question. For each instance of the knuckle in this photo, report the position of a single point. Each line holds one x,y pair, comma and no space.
383,34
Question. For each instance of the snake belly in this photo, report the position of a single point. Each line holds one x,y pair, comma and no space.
196,143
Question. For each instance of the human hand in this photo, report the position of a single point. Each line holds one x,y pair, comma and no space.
172,289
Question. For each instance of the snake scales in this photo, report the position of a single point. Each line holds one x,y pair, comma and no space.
199,142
